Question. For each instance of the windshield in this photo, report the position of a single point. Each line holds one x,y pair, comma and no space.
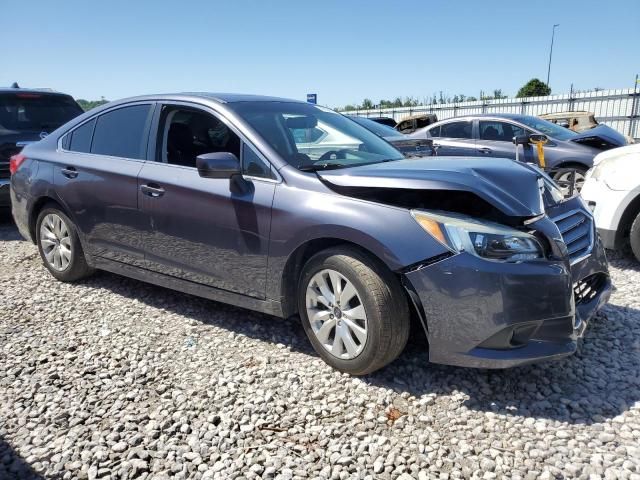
311,138
377,128
548,128
36,111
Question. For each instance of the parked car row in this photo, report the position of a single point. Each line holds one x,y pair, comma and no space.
295,210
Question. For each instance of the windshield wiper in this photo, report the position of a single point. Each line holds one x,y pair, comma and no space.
321,166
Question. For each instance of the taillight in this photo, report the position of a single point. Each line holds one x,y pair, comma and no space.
15,162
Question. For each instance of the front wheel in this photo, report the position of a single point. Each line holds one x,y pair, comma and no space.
353,310
60,247
564,177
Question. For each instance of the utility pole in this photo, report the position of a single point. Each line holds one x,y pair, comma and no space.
553,33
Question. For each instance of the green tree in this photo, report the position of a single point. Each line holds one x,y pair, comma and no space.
534,88
497,94
89,104
367,104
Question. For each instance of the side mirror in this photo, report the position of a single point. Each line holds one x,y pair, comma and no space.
218,165
521,139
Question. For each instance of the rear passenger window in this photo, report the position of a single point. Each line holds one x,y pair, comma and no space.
122,132
456,130
81,137
435,131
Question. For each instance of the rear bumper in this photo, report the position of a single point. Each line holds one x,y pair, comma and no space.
5,196
496,315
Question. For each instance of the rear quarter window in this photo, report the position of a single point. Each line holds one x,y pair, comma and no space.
79,140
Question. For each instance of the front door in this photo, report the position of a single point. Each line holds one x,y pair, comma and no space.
205,230
495,139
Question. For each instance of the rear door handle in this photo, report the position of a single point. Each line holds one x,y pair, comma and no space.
70,172
152,190
484,150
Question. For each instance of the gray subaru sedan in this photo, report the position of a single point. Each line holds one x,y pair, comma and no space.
244,200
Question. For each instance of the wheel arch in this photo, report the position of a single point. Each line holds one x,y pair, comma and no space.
571,164
626,220
296,261
37,207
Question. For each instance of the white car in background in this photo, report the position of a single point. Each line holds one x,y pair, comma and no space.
612,190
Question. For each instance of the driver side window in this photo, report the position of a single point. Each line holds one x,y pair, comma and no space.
186,133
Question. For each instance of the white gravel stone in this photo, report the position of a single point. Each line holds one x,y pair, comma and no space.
114,378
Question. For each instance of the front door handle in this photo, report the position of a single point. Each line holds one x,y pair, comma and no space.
152,190
70,172
484,150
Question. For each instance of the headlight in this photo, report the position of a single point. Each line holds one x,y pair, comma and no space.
617,172
483,239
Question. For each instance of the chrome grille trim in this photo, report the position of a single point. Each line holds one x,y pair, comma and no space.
576,228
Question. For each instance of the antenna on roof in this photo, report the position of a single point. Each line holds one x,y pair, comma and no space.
15,85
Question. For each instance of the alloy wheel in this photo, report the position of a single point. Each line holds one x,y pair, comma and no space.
336,314
564,182
55,241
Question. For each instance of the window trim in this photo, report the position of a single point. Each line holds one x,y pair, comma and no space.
148,125
155,127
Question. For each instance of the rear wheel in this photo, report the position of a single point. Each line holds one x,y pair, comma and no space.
60,247
353,310
634,237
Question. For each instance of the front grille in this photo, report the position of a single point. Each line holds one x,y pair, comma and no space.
576,228
587,288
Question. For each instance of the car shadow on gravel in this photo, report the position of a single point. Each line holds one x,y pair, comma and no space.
8,229
12,465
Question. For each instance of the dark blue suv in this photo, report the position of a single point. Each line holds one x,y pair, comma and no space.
26,116
244,200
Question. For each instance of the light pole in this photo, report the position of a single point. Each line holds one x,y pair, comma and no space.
553,33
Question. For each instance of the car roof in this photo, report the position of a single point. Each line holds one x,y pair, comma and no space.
39,91
580,113
505,116
211,96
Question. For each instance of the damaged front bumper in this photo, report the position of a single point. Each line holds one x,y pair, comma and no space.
487,314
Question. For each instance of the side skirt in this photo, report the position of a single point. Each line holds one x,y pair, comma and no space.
270,307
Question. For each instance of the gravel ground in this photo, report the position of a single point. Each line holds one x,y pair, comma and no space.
114,378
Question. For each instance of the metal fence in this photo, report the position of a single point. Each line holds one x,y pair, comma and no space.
620,109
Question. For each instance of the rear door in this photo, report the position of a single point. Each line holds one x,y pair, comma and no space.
454,138
205,230
97,179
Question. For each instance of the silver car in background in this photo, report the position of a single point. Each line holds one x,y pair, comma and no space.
566,153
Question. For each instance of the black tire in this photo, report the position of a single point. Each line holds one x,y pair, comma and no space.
561,176
387,311
634,237
77,267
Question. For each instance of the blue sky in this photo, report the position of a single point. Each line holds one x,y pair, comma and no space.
343,50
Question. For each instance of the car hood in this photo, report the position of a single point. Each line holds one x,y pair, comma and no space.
512,188
602,137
